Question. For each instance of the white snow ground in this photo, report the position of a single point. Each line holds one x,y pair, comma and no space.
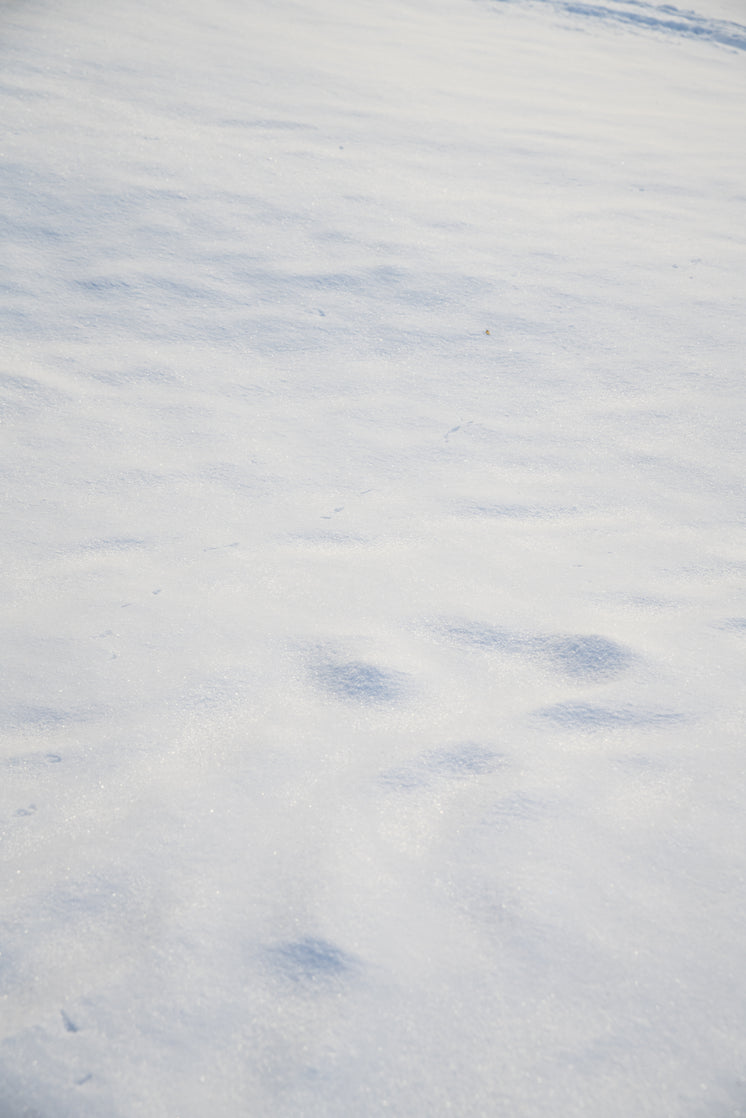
372,730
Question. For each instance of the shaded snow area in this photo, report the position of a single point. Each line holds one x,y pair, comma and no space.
371,733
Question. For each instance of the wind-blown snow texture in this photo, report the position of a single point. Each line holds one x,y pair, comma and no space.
373,552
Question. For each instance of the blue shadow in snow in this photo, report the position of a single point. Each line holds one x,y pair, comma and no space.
356,681
310,960
734,625
588,716
586,658
32,760
464,761
460,762
665,18
489,637
519,807
583,658
20,717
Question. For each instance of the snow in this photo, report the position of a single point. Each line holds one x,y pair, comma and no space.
373,552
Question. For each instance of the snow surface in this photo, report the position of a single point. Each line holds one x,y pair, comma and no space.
373,559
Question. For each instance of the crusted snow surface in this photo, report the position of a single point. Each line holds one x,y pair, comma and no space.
372,455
